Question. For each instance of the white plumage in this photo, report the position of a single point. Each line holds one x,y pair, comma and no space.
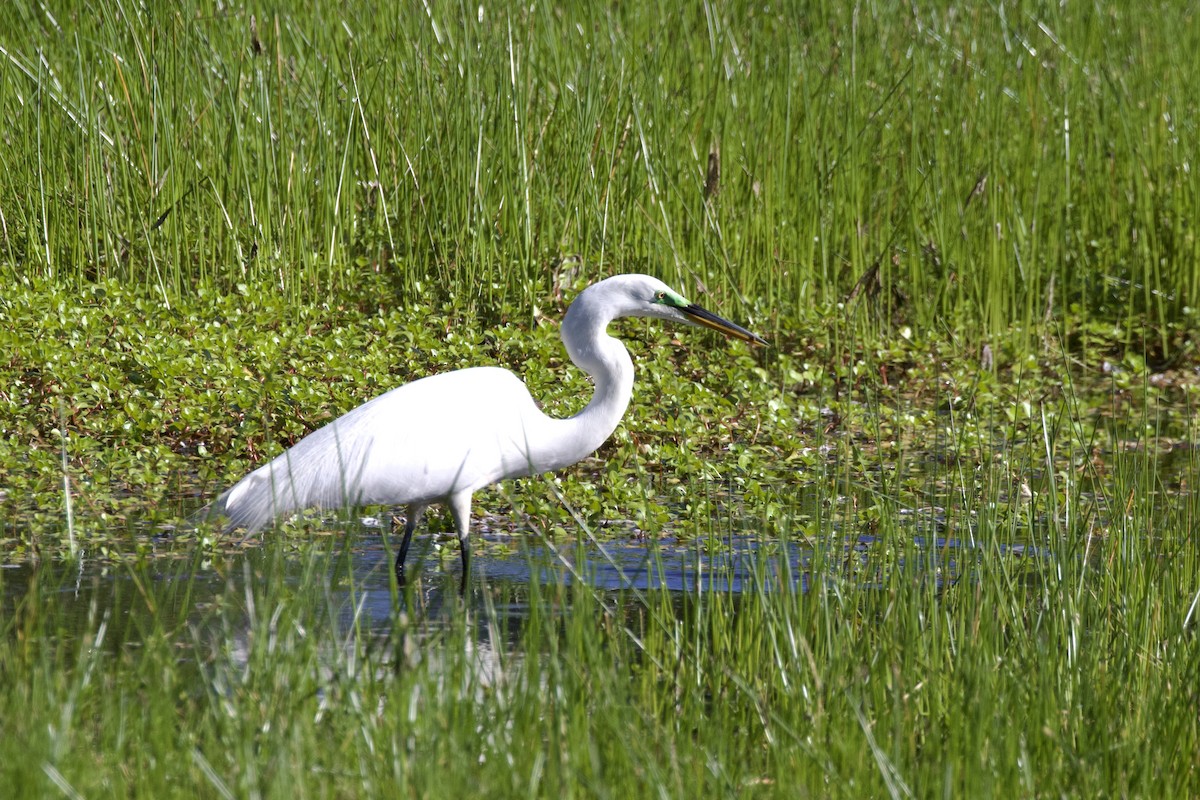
442,438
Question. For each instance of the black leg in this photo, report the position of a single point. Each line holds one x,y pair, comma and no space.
460,507
414,517
466,566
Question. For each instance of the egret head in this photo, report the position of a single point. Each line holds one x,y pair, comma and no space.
655,299
633,296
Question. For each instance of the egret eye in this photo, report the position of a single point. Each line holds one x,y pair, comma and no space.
660,296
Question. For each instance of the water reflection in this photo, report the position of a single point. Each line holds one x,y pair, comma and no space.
353,578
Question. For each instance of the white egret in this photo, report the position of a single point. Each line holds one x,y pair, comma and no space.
442,438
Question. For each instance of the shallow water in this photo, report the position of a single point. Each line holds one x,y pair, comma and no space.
183,593
356,574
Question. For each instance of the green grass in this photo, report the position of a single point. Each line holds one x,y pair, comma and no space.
996,166
968,231
1070,674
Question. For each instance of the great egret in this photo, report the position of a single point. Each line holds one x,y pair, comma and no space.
442,438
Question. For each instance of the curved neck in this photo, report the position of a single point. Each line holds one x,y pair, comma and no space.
611,368
607,361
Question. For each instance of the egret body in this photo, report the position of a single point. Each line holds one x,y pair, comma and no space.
442,438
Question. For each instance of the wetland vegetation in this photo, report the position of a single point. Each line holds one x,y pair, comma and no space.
938,540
